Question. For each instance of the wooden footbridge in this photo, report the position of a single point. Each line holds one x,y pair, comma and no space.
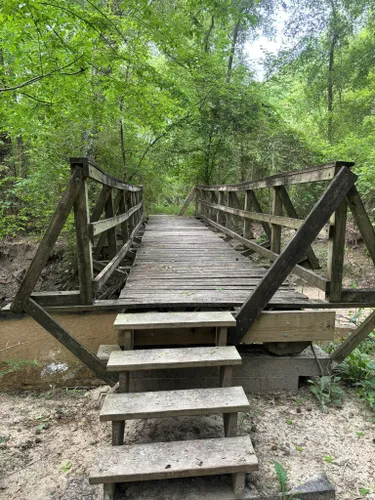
192,295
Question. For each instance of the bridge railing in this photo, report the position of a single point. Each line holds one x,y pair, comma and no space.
219,205
118,206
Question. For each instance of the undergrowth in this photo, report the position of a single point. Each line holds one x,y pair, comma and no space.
357,370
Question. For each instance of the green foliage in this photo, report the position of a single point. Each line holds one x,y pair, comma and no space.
327,391
358,369
282,477
15,365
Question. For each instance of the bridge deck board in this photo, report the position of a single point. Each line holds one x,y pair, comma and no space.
182,262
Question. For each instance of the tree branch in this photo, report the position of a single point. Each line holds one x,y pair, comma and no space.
40,77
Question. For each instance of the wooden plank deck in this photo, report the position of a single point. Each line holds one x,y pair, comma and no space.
183,263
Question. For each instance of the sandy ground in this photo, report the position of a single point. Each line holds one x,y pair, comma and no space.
47,437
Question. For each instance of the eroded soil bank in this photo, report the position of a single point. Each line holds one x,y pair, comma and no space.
47,437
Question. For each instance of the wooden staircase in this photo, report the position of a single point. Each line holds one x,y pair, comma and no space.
178,459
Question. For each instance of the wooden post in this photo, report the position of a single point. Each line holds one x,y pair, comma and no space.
129,204
362,220
247,222
258,208
291,255
187,202
336,253
83,241
291,212
275,228
196,208
124,225
49,239
221,335
220,217
213,211
111,233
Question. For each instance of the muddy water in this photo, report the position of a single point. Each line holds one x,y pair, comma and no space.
31,357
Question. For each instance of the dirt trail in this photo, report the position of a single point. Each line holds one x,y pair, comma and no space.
47,437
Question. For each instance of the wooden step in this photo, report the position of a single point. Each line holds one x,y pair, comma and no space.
174,403
151,320
205,457
104,351
185,357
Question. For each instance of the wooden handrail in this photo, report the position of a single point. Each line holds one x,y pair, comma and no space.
317,173
219,205
125,209
93,171
331,199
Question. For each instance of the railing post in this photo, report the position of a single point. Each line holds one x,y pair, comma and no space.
220,217
124,225
247,222
197,196
84,244
336,252
111,233
213,211
275,228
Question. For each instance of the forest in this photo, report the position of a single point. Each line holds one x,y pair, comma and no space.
166,94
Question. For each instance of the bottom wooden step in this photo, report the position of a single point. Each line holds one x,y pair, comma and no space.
177,459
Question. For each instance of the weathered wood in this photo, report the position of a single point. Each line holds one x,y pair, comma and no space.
336,253
220,217
174,403
67,340
353,341
238,481
124,381
83,244
226,373
167,460
57,298
246,223
291,212
109,269
361,296
316,173
230,424
275,228
278,220
311,277
50,236
99,266
151,320
187,202
109,491
124,225
94,172
258,209
106,224
100,204
105,350
126,339
155,359
221,335
284,264
291,326
362,220
111,232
